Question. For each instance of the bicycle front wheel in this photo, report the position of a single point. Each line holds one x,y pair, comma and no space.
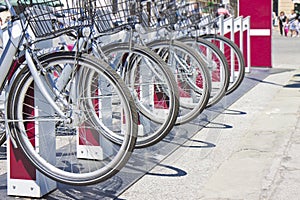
217,65
73,150
153,87
192,76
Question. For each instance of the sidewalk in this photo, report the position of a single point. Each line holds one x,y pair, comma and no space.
250,151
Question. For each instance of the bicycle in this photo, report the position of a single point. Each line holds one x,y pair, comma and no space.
63,100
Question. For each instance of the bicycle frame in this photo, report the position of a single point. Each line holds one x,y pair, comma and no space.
14,38
11,44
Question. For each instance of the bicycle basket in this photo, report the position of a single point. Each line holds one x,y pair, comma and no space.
115,15
196,15
159,14
51,18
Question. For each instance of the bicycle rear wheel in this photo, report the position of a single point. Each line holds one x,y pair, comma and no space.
73,150
234,58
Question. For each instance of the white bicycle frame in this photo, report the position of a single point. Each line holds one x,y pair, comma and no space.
15,39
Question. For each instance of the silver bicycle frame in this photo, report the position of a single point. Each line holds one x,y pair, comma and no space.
14,37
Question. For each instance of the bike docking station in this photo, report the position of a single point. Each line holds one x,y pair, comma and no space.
237,30
245,44
23,179
241,29
91,145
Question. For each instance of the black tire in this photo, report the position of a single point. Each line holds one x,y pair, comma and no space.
2,138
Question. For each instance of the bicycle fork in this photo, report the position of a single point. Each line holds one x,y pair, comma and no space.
43,90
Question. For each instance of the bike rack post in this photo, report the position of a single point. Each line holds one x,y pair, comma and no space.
238,34
227,30
246,34
221,31
238,30
93,145
242,28
23,179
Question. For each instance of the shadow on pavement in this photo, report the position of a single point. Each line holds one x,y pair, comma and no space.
292,85
267,82
178,172
233,112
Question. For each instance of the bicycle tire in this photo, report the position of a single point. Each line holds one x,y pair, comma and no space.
2,138
67,165
236,62
2,128
146,72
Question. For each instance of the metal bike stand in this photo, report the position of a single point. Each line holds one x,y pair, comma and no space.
238,33
159,106
23,179
92,145
144,92
227,30
242,38
238,30
246,40
227,27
